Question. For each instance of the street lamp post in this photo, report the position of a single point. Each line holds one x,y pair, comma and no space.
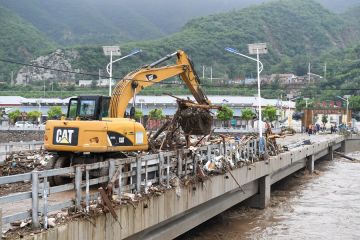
289,115
347,107
141,101
115,51
257,48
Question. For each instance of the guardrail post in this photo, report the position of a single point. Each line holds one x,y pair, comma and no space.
146,176
1,220
35,198
138,174
87,191
111,169
45,203
195,163
168,175
255,148
179,165
78,177
161,161
120,182
208,152
185,162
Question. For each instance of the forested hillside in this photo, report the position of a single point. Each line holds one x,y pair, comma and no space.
79,22
296,31
70,22
19,41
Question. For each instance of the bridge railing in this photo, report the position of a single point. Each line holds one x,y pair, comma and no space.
133,174
6,149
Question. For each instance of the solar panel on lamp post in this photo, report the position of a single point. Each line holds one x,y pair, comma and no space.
115,51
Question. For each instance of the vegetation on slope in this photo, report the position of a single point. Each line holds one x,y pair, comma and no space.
19,41
295,30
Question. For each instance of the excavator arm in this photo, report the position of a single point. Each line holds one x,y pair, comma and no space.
146,76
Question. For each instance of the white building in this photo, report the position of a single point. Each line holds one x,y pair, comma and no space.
99,83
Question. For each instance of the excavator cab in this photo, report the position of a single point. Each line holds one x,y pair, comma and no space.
88,108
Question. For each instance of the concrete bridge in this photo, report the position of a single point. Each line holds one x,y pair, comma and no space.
177,210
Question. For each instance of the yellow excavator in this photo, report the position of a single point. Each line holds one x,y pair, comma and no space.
95,127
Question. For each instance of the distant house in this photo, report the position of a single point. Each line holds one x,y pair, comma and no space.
99,83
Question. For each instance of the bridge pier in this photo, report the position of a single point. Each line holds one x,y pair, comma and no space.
262,199
310,164
330,155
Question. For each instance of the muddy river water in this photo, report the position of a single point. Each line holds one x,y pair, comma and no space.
325,205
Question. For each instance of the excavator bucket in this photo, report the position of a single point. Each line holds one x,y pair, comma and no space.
195,121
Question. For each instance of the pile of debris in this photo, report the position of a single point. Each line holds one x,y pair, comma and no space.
19,163
23,162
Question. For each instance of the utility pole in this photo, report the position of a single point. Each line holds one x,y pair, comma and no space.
211,75
203,77
12,79
309,72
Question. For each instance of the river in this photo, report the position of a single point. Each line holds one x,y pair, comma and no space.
324,205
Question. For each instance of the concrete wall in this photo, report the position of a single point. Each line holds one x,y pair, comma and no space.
351,144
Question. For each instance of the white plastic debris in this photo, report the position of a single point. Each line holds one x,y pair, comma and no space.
23,224
51,222
130,196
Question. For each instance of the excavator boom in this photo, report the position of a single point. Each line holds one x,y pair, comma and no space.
146,76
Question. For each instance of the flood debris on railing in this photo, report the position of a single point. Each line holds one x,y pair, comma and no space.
19,163
22,162
143,175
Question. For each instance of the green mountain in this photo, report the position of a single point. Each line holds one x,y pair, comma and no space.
296,31
19,41
70,22
79,22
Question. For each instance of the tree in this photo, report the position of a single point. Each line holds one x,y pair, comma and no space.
247,114
14,115
225,113
156,114
138,114
324,119
269,113
34,115
93,84
354,102
300,104
54,112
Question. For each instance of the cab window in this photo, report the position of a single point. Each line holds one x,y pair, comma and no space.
105,107
87,108
72,109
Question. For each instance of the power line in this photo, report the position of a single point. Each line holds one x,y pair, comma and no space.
265,87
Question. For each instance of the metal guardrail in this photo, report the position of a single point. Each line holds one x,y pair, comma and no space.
23,128
155,168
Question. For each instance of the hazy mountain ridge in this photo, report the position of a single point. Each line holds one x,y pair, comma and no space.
296,31
79,22
19,41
